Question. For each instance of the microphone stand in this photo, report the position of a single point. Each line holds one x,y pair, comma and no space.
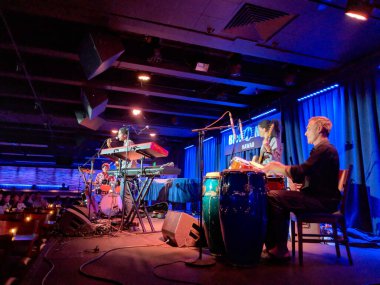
209,261
90,203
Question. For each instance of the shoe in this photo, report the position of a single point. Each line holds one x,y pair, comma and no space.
278,259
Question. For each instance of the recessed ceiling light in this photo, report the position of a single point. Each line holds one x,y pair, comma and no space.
136,112
143,77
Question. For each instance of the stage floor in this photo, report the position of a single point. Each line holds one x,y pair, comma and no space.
133,257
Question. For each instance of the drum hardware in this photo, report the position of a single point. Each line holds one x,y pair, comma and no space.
225,188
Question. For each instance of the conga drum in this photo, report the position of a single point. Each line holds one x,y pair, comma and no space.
243,215
238,163
276,182
210,211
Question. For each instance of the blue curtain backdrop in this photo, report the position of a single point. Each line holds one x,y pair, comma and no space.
191,163
354,109
210,155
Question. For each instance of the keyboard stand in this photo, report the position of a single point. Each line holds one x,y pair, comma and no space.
138,202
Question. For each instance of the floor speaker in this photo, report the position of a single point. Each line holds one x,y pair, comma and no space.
75,223
181,229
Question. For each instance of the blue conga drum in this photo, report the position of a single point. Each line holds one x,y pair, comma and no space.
210,212
243,215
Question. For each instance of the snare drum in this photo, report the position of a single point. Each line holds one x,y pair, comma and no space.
238,163
111,204
105,188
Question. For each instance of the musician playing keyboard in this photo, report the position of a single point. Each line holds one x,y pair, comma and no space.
123,136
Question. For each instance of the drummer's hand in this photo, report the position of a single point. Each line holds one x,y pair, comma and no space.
274,167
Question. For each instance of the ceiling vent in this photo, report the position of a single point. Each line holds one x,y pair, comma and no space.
257,23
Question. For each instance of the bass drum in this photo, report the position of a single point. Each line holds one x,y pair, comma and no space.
111,204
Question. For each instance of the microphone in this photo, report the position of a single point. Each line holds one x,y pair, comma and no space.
241,130
232,126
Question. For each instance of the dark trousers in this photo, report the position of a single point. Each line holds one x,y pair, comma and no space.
280,204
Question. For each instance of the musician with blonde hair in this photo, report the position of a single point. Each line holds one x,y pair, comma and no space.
319,176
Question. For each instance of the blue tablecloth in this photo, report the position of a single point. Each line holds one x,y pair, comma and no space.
179,190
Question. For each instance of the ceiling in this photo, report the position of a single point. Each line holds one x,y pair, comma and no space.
257,52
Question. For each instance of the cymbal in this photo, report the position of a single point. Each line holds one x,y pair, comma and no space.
86,170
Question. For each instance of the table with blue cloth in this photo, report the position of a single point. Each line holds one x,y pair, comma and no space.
177,190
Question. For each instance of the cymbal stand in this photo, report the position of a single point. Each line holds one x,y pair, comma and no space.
91,202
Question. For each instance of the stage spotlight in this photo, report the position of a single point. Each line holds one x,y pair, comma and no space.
136,112
359,9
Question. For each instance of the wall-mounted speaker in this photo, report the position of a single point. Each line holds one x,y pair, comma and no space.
94,102
85,121
98,51
180,229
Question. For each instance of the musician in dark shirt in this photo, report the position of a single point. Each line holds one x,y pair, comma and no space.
319,175
123,136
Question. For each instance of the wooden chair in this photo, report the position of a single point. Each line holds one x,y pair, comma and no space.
336,219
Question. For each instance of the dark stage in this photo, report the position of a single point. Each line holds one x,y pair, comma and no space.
133,257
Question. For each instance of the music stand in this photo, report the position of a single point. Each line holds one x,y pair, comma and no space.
200,262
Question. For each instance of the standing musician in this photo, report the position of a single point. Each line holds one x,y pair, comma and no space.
123,136
271,148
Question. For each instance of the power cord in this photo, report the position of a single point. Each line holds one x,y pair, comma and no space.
99,257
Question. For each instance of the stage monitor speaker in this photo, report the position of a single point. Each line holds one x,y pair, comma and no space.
75,223
94,102
181,229
98,51
85,121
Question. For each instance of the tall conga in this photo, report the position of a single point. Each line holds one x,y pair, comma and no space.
243,215
210,207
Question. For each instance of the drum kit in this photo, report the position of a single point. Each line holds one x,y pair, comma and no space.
106,196
234,211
